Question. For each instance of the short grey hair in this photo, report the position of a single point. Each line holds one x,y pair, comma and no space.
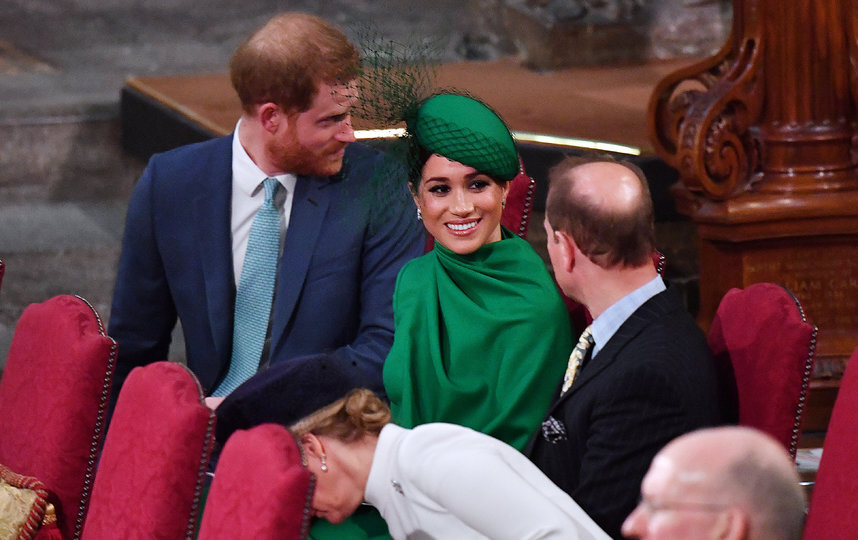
776,502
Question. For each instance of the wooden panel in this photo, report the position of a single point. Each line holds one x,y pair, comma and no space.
599,103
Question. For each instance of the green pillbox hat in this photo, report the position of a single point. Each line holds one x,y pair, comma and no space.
463,129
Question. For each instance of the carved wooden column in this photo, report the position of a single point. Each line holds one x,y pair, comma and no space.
763,136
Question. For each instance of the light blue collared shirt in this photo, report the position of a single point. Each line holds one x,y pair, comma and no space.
606,325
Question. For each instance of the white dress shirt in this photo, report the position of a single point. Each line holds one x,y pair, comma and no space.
247,198
447,481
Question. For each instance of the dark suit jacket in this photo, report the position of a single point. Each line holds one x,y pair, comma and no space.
341,255
652,381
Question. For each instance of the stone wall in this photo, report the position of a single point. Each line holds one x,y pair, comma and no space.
552,34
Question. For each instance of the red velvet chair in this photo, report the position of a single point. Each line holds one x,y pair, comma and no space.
53,402
519,204
151,473
763,348
261,490
833,514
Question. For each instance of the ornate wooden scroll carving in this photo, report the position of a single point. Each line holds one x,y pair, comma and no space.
763,135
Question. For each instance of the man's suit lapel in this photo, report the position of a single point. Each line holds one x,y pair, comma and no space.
211,221
635,324
309,207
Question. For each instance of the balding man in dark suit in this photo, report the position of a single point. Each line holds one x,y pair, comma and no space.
645,375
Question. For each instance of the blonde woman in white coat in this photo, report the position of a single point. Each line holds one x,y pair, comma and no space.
434,481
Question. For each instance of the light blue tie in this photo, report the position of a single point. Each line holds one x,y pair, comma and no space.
255,292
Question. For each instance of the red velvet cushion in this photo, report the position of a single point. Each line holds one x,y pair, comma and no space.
151,471
53,399
761,341
25,503
261,489
833,513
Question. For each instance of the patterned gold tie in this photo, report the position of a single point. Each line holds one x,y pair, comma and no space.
576,358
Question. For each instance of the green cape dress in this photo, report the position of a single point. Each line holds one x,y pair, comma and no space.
480,340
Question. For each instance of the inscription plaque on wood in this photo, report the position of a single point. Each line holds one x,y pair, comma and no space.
763,136
823,275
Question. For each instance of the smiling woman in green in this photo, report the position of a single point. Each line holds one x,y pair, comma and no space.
481,335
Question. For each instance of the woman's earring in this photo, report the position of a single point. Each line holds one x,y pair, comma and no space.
324,466
503,203
419,214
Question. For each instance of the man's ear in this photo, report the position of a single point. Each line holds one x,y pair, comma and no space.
271,117
567,248
732,524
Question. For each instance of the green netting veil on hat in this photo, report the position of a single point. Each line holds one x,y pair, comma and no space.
398,88
463,129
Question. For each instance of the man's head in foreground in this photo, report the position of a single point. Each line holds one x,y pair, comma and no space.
727,482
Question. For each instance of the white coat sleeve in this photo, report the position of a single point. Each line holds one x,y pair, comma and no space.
496,490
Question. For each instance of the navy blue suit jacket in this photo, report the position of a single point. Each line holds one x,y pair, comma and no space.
651,382
341,255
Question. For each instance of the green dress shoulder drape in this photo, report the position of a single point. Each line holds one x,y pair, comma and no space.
480,340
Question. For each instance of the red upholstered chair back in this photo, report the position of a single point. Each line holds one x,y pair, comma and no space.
833,514
763,348
151,473
519,204
53,401
261,490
